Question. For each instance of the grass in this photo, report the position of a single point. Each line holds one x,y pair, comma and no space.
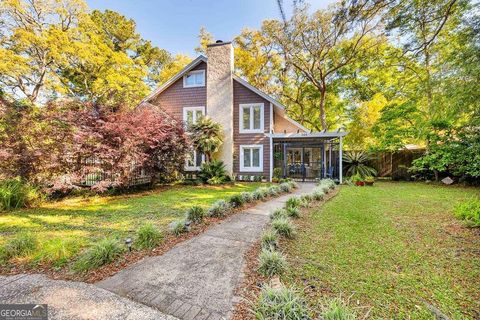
64,228
395,247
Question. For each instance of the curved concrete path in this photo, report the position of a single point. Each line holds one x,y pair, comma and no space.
196,280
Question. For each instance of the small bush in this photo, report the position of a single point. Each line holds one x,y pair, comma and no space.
22,245
178,227
279,213
101,253
263,192
307,199
195,214
258,195
469,212
277,173
337,309
219,208
247,197
281,304
15,193
58,251
293,202
293,212
283,227
269,240
148,236
216,180
213,169
236,201
271,263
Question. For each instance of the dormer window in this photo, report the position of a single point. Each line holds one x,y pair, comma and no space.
194,79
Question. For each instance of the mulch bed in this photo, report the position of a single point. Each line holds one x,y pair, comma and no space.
128,258
252,280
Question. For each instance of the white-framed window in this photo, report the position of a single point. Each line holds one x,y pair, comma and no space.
251,118
251,158
194,79
192,114
194,161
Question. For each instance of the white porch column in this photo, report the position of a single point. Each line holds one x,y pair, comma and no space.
340,156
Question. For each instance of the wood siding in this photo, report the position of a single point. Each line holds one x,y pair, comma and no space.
243,95
176,97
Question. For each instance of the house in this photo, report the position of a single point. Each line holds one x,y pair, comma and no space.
260,140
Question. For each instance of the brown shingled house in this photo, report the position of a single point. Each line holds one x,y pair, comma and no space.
258,135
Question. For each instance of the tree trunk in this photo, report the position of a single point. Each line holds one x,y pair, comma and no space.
323,114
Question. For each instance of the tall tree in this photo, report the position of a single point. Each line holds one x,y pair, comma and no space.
319,45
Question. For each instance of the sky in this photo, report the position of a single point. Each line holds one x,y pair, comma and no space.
174,24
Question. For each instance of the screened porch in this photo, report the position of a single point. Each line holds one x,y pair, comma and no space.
308,156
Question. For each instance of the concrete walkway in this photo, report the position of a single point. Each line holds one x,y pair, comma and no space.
69,300
197,278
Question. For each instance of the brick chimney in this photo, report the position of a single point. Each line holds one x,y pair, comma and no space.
220,95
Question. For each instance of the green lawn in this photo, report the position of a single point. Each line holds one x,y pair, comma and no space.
393,246
76,222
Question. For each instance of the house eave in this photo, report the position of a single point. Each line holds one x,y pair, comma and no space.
323,134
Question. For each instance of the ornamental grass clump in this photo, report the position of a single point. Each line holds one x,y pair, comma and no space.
15,193
247,197
293,212
284,227
195,214
469,212
279,213
178,227
236,201
293,202
281,304
263,192
257,195
337,309
148,236
273,191
103,252
318,194
285,187
21,245
271,263
219,208
269,240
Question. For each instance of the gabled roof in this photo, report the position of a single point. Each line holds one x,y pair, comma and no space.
202,58
172,80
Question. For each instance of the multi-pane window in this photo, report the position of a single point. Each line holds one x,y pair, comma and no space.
251,158
194,160
194,79
251,118
192,114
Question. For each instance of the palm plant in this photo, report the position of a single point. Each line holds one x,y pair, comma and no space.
356,164
206,136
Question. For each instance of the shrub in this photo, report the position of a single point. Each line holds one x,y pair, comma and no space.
283,227
355,162
337,309
279,213
280,304
293,202
218,208
58,251
271,263
247,197
101,253
236,201
213,169
15,193
148,236
195,214
307,199
469,212
21,245
269,240
277,173
178,227
293,212
216,180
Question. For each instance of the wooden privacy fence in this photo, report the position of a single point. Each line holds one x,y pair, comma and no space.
395,164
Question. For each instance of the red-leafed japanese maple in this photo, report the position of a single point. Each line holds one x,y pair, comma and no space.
62,143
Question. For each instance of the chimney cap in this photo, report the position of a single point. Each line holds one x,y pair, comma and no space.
218,43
